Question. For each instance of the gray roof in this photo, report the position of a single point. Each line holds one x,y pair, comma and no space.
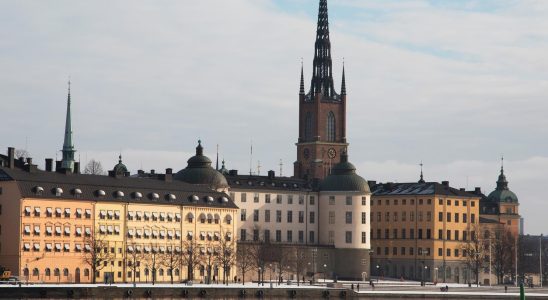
415,188
199,171
89,185
255,182
343,178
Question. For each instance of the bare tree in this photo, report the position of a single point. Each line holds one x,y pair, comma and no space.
190,256
474,252
502,253
260,254
96,252
171,259
210,253
244,258
133,254
298,260
227,254
21,153
94,167
281,256
152,257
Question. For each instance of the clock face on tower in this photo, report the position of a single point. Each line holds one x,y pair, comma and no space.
331,153
306,153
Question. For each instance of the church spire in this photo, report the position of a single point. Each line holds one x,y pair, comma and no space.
68,146
422,177
502,183
301,87
343,84
322,76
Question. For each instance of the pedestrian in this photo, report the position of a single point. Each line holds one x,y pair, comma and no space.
506,289
446,288
358,287
352,286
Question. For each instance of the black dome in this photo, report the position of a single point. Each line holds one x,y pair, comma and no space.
199,171
502,194
343,177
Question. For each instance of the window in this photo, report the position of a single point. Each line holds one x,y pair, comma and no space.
428,234
364,237
364,201
420,216
301,216
243,216
256,198
448,236
448,202
331,237
456,235
456,252
311,236
267,198
440,201
330,127
301,236
290,236
420,201
267,215
278,236
364,217
312,200
464,235
386,233
428,216
440,234
448,252
331,217
348,237
279,199
394,233
379,216
473,217
412,233
440,252
243,234
289,199
348,200
394,250
348,217
411,251
412,216
244,197
255,215
456,203
420,234
267,235
278,216
331,200
385,250
403,234
387,216
289,216
448,216
473,203
402,250
308,126
379,234
255,234
312,217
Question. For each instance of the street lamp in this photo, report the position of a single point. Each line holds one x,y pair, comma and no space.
436,275
324,271
259,281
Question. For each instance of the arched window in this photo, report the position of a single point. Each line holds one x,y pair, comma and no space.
308,127
65,272
331,127
56,272
48,272
161,272
35,272
86,272
176,272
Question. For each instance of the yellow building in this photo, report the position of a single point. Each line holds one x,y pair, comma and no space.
68,227
419,230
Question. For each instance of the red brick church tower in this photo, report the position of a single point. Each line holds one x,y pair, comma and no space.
322,112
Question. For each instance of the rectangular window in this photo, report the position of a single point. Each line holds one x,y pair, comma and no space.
289,216
440,234
440,201
456,216
331,237
278,236
312,217
412,216
267,198
472,217
456,235
448,216
440,252
448,252
255,215
402,250
311,237
301,216
448,202
348,200
364,237
364,201
279,199
420,234
267,235
464,235
364,217
301,236
387,216
256,197
379,234
395,201
331,200
278,216
348,217
386,251
243,235
301,199
289,199
448,235
456,251
267,215
394,233
312,200
456,203
473,203
332,217
440,216
386,234
428,216
412,233
404,216
348,237
243,215
378,216
244,197
420,216
290,236
411,251
420,202
395,216
403,234
255,234
394,250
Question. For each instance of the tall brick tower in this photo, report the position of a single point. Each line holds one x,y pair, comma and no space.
322,112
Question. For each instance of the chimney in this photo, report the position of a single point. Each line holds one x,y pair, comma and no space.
477,190
372,183
29,160
11,157
462,189
233,172
76,167
140,172
58,165
168,177
445,183
49,164
152,172
271,174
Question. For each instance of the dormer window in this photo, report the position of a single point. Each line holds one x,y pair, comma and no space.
224,199
100,193
171,197
194,198
209,199
137,195
38,190
154,196
58,192
77,193
119,194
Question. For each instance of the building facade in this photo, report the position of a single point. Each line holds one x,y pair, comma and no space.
420,230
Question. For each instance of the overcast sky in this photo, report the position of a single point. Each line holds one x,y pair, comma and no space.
455,84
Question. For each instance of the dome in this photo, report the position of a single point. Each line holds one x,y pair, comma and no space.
120,168
502,194
343,177
199,171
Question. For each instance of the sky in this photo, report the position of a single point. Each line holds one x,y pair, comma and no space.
454,84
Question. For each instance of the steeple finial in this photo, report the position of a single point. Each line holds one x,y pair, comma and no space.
422,177
217,162
322,78
120,158
343,84
502,165
199,148
301,86
68,146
